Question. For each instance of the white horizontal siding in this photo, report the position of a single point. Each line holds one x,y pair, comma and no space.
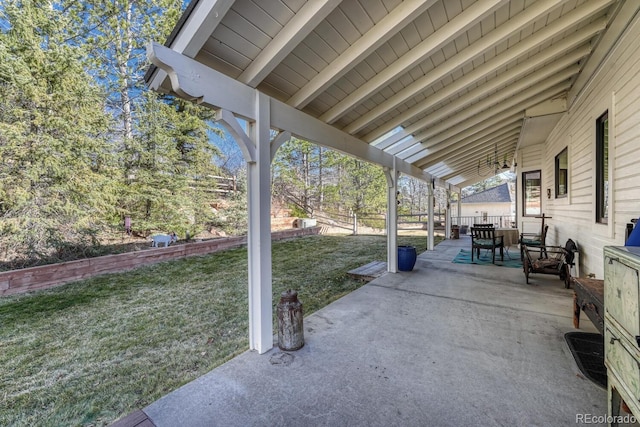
616,87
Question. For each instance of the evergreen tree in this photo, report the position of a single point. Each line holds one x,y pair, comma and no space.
161,142
55,185
169,179
363,186
295,175
309,177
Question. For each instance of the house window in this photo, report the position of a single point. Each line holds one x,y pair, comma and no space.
602,169
531,185
562,167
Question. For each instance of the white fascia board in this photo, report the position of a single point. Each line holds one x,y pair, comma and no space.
194,81
200,24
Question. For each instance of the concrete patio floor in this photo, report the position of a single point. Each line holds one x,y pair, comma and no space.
443,345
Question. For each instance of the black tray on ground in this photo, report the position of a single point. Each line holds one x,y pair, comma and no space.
588,352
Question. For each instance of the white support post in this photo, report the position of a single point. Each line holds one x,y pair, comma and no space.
430,210
447,217
355,224
257,152
460,209
392,219
259,231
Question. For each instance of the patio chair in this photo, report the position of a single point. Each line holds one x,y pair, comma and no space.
484,237
550,260
532,240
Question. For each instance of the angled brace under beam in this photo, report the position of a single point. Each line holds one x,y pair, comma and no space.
247,146
277,142
389,175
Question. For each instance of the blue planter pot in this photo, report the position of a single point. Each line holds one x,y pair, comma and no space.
406,258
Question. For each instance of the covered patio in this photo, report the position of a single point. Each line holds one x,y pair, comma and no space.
448,92
444,344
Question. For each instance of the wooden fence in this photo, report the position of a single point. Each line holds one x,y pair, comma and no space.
47,276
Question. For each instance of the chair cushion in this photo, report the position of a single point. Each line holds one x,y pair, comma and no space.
483,242
530,241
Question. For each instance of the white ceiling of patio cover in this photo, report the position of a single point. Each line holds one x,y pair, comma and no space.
459,76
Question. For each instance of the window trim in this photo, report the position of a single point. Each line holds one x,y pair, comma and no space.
602,136
524,192
558,194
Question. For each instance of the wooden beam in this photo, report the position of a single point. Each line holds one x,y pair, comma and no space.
386,28
294,32
624,15
456,136
473,151
490,40
469,140
494,92
550,88
194,81
458,25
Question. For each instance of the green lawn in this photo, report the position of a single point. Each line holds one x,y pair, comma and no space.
90,352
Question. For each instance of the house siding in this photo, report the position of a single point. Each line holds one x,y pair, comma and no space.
615,87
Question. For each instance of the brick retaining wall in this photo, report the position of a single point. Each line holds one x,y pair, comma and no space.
47,276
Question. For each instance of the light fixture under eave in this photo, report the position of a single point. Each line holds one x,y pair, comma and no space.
493,162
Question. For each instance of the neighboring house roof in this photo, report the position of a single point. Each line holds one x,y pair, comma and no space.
499,194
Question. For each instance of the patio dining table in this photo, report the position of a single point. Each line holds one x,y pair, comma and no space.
509,236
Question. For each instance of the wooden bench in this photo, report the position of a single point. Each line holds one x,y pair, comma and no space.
588,296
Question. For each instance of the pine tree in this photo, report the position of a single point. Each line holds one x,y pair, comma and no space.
55,185
169,180
161,142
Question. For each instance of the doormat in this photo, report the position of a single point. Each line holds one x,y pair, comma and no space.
588,352
464,257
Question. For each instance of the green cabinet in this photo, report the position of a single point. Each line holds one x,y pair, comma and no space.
622,328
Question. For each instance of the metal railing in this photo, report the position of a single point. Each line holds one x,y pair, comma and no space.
500,221
412,221
352,221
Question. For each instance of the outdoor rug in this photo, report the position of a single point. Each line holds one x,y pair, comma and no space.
464,257
588,351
